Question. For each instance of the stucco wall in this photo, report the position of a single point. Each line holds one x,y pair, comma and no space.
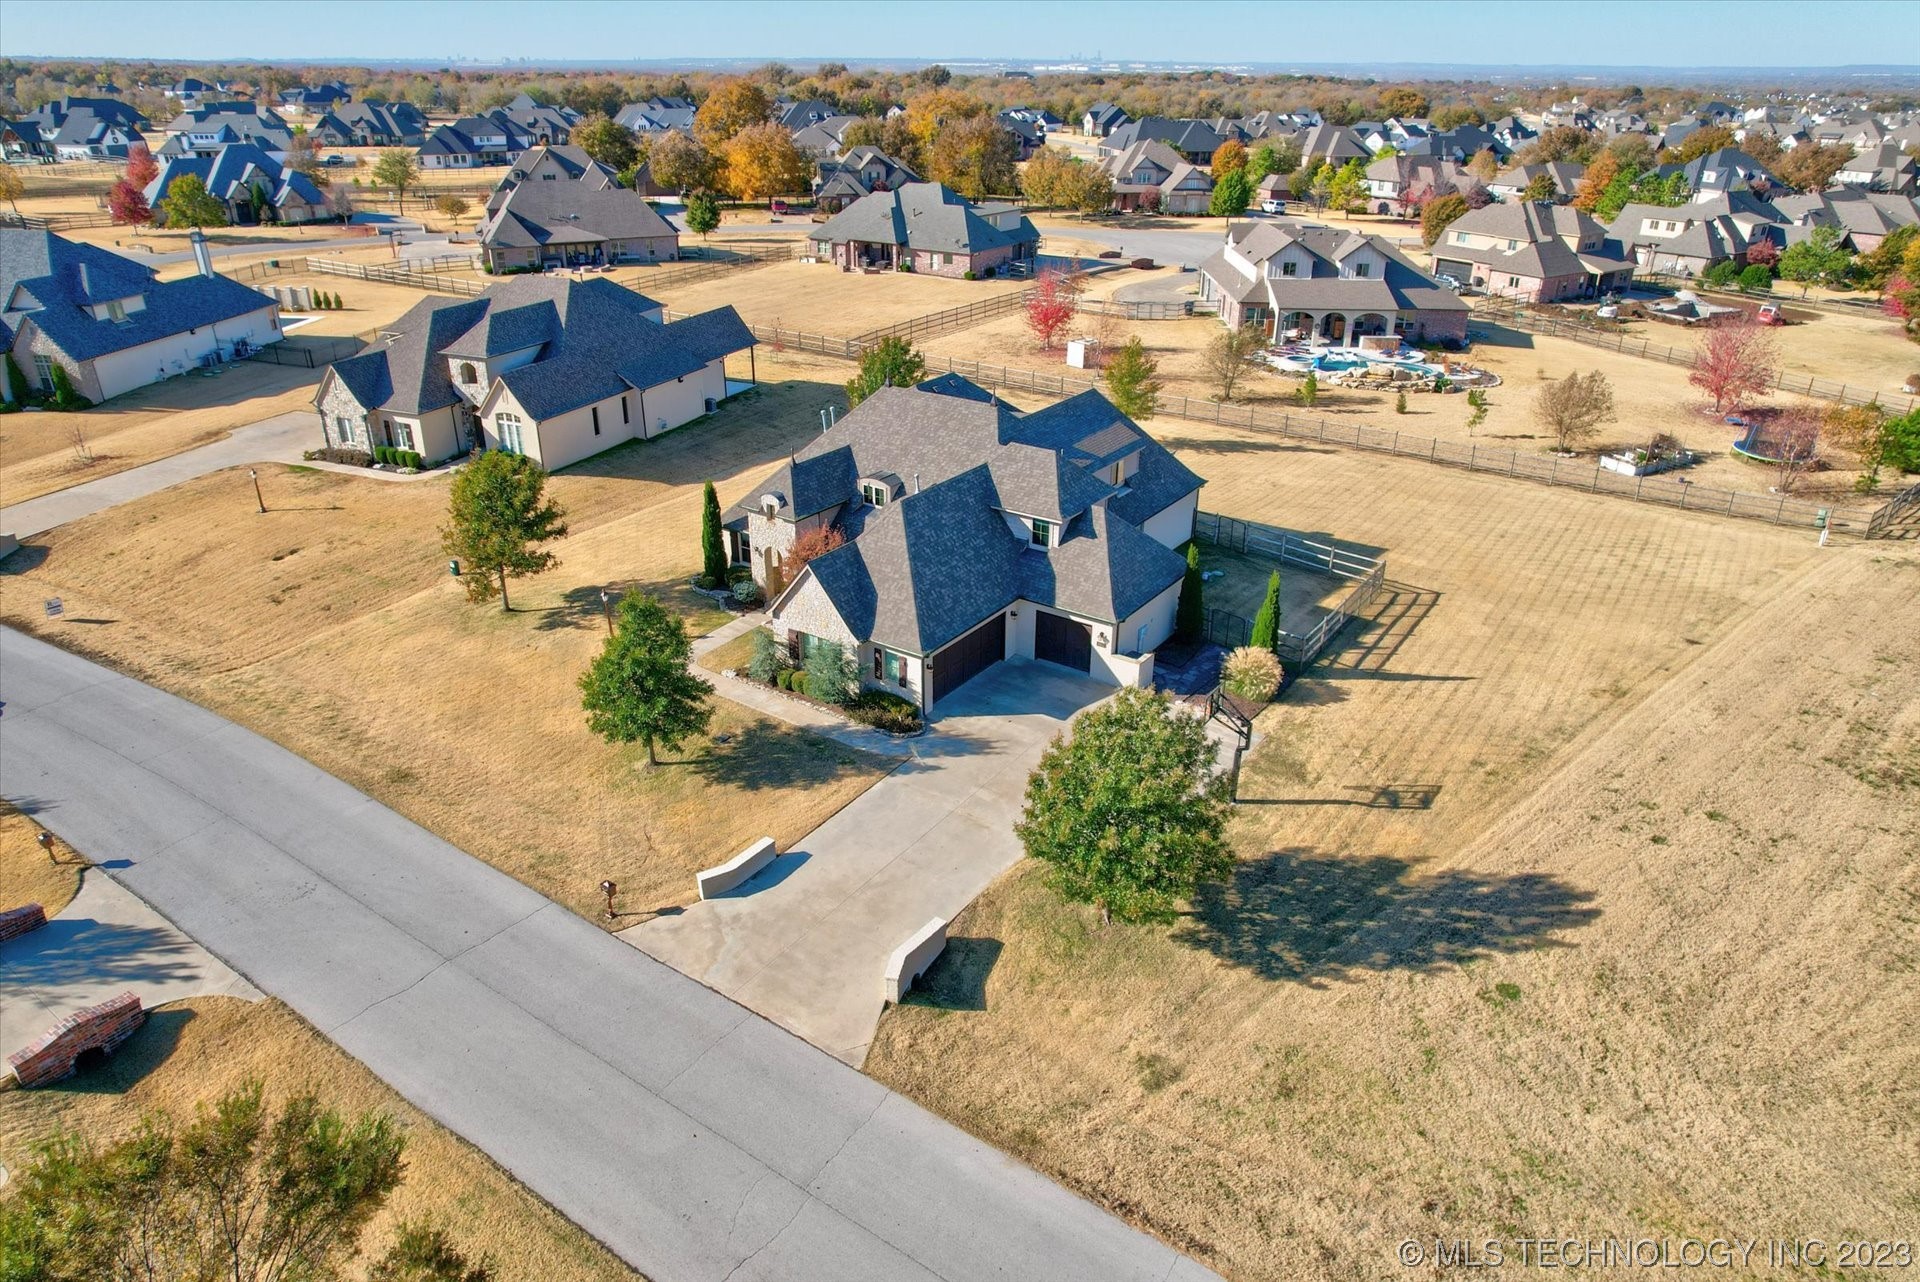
117,372
1148,627
1173,524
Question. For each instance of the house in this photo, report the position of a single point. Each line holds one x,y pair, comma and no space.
21,142
1866,218
822,140
658,116
1028,134
1512,184
249,183
204,130
537,123
472,141
192,91
795,116
561,164
111,323
1458,145
1195,140
1102,119
923,227
1151,175
1328,285
1724,170
573,224
49,116
81,135
1334,144
1882,168
973,534
372,123
548,367
1396,183
1535,250
314,100
862,171
1512,133
1687,239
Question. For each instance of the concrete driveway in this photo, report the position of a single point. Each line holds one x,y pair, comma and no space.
806,941
106,942
280,439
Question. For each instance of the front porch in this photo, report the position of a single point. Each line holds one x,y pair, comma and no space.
1336,329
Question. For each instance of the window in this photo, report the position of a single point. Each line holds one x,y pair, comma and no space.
1289,269
467,374
596,420
1513,282
402,434
343,429
1042,533
507,428
1512,245
1459,238
742,548
624,416
890,667
1362,269
117,312
874,492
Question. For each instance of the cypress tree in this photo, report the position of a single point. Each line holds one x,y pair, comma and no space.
713,550
1190,620
1266,624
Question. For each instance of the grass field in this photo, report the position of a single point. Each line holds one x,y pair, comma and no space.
819,299
331,625
27,874
1530,874
190,1053
38,452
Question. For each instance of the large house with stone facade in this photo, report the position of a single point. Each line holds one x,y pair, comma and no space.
1152,176
111,324
975,533
926,228
1328,285
572,224
548,367
251,186
1534,250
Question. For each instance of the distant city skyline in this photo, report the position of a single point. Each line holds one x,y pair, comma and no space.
1635,34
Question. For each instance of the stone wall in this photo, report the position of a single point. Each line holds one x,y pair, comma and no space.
51,1057
338,402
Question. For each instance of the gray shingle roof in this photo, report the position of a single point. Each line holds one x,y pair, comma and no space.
923,216
1401,286
544,213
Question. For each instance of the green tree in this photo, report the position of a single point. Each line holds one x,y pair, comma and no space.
397,169
188,203
64,396
16,381
423,1253
1347,190
236,1193
891,362
1190,617
1231,194
1126,814
1264,161
1756,278
1540,188
679,163
833,674
1820,259
1437,213
1876,267
499,515
713,547
606,140
451,206
639,689
1131,382
1266,620
703,212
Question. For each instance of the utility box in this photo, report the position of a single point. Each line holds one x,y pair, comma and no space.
1083,353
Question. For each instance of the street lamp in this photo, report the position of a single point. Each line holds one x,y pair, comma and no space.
607,888
254,475
606,608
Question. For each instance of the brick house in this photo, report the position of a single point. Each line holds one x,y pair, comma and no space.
573,224
924,227
1326,285
1151,174
1534,250
975,533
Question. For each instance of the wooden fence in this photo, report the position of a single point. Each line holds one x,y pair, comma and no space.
1897,517
399,273
1518,317
1146,309
1367,574
945,322
690,271
54,222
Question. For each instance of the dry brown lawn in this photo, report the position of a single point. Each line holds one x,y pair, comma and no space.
190,1053
27,874
820,299
1575,897
38,453
1650,396
331,626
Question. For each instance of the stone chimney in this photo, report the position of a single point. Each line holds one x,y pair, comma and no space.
201,258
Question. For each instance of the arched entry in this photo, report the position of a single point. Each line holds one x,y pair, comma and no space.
1296,323
1368,323
1334,328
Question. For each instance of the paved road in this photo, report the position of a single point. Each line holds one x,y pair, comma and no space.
805,943
280,439
106,942
694,1138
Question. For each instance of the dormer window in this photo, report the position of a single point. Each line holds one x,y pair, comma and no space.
874,493
1362,269
1289,269
1042,535
117,311
467,373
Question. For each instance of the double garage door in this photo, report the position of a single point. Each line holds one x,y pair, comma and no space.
1067,642
968,657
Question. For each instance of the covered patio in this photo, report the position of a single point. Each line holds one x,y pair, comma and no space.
1337,328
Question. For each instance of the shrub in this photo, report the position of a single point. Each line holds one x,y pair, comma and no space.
833,674
746,592
342,454
1721,273
768,660
412,459
64,397
797,682
1251,673
884,710
1400,403
1913,382
1756,279
783,677
705,582
1309,391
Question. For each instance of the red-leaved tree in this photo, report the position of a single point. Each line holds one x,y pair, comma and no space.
1413,198
142,168
1762,253
126,205
1734,361
1049,308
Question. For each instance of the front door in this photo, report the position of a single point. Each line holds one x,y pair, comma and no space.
1067,642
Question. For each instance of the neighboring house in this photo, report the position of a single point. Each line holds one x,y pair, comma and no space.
562,164
658,116
1327,285
1150,172
548,367
822,139
451,147
795,116
252,185
192,91
1392,179
81,135
1512,133
111,323
1687,239
1335,144
861,172
974,533
1102,119
1513,183
1459,145
1726,170
1195,140
205,130
1534,250
1865,218
574,224
922,227
49,116
314,100
371,124
1882,168
21,142
1028,134
537,123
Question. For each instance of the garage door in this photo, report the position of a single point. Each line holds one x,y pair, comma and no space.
968,657
1064,641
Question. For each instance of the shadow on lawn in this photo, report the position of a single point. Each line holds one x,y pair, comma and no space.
958,979
762,756
146,1050
1311,918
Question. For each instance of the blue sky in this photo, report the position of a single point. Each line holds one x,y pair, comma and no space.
1678,33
